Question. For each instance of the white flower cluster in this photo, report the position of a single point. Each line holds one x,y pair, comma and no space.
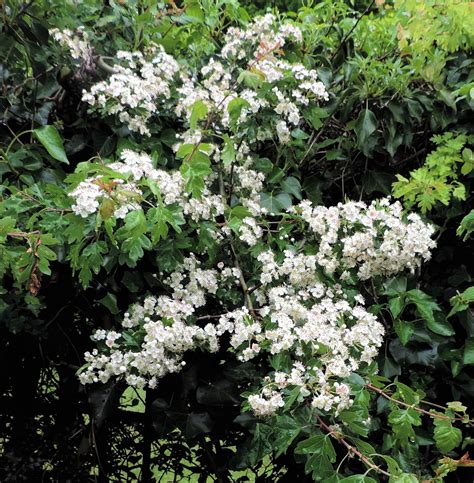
326,331
375,239
77,42
137,89
250,232
91,193
301,314
256,49
167,335
125,194
295,310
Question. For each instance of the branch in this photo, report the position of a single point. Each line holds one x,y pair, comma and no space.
104,66
411,406
351,449
344,40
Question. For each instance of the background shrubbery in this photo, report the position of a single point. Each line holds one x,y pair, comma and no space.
398,122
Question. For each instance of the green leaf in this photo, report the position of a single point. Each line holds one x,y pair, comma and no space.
396,305
287,431
404,478
275,204
198,423
320,466
228,153
250,79
358,479
404,330
292,185
365,125
217,393
402,422
467,226
49,137
110,303
235,107
199,111
446,436
395,286
195,168
468,354
426,307
392,464
311,445
7,224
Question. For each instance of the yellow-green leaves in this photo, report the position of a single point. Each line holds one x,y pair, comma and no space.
196,166
437,181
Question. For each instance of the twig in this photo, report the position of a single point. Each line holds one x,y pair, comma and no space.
411,406
344,40
104,66
352,449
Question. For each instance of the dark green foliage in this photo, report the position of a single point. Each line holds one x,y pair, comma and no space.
401,82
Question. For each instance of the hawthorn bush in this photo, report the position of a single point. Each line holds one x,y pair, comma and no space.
235,241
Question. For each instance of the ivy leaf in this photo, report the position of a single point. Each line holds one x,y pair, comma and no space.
110,303
358,479
404,330
292,186
468,355
49,137
217,393
404,478
275,204
198,423
287,431
446,436
104,400
395,286
365,125
426,307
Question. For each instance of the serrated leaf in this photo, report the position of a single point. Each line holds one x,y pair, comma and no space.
358,479
404,478
228,153
199,111
311,445
446,436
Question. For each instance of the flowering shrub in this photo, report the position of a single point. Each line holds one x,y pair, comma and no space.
233,276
